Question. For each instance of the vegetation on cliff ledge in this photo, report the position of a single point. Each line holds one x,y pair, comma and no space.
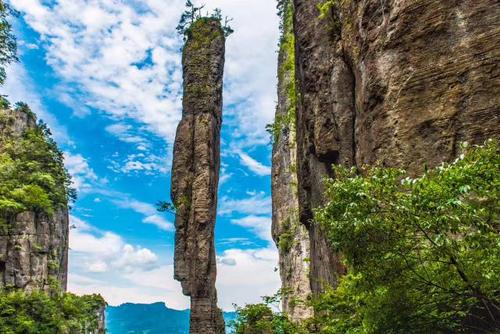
37,312
422,253
193,14
32,172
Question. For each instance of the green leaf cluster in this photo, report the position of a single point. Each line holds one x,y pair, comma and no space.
40,313
261,319
8,45
423,254
32,172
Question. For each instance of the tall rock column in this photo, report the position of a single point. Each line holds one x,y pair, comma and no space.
195,173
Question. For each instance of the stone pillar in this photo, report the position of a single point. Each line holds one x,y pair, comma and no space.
195,173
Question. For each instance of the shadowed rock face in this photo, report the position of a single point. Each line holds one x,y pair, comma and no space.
34,249
393,83
195,173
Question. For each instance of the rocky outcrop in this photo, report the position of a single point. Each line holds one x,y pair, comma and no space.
34,252
195,173
291,237
392,83
33,246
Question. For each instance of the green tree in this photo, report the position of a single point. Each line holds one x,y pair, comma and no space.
8,46
38,312
423,254
261,319
32,172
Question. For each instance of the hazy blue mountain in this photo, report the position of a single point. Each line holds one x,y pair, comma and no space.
149,319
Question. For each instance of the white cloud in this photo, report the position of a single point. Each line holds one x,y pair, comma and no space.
143,163
124,132
123,58
102,262
147,210
255,166
259,225
244,276
96,46
137,287
256,204
19,87
100,251
83,176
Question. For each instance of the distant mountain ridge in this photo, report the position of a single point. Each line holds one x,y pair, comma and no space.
154,318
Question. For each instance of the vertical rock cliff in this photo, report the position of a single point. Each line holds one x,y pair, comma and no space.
195,173
291,237
33,245
392,83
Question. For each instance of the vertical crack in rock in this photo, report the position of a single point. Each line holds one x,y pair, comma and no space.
195,173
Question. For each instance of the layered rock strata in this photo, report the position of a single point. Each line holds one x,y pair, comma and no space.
391,83
33,246
195,173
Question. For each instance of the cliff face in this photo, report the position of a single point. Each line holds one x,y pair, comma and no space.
33,245
195,173
291,237
392,83
35,251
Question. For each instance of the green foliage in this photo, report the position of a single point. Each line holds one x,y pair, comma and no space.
329,11
32,173
193,14
40,313
422,253
8,46
286,237
260,319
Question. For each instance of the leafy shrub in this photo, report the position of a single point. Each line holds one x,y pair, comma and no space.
193,14
32,172
422,253
260,319
40,313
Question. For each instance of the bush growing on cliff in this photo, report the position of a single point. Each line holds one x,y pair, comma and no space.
32,172
423,254
193,13
40,313
261,319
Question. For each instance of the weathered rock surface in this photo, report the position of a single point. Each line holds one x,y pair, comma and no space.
35,251
195,173
291,237
393,83
33,246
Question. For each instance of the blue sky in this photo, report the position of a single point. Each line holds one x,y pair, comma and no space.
106,76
